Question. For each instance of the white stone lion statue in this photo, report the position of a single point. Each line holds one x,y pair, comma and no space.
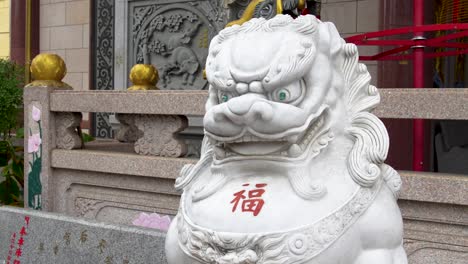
292,167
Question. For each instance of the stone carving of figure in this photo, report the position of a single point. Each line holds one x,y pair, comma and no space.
292,167
183,60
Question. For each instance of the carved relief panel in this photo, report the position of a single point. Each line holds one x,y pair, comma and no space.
174,36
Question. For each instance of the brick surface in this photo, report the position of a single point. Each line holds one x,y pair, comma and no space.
343,15
77,12
66,37
52,15
368,18
75,80
44,40
77,60
65,32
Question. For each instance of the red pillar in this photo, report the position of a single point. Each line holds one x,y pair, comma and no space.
17,32
418,82
20,50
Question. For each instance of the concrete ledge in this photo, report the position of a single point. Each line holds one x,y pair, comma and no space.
118,163
396,103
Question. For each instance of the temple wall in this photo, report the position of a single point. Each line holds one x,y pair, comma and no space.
353,17
4,28
64,30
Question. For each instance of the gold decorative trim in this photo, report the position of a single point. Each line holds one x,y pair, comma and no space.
144,77
248,14
301,4
48,70
279,7
50,83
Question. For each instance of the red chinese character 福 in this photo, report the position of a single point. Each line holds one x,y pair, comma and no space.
253,202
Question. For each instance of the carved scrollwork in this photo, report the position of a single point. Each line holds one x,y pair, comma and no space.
159,135
128,131
103,60
83,206
68,130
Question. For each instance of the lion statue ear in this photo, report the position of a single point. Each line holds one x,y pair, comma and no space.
330,40
336,42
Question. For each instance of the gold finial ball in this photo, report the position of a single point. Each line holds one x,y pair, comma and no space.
48,67
144,74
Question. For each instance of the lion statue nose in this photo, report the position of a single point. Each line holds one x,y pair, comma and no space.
251,107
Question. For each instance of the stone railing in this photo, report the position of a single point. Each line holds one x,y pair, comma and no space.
114,180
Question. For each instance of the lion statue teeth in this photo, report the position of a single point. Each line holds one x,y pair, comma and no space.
292,166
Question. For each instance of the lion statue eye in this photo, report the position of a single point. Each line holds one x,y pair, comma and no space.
224,97
290,94
283,95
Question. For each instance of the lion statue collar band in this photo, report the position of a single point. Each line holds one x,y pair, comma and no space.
302,243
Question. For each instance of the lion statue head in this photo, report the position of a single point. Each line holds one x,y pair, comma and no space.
281,90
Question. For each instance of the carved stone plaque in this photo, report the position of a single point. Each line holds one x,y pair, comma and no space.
174,37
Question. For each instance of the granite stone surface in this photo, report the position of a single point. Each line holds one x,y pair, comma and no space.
113,198
451,104
134,102
120,163
108,182
434,187
395,103
45,238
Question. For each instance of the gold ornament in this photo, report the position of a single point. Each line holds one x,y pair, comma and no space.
248,13
301,5
143,77
250,10
48,70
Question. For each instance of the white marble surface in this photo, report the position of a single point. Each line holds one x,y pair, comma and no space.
292,167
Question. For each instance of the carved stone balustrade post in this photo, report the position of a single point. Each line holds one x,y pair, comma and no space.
68,130
159,135
128,132
45,130
144,77
153,134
